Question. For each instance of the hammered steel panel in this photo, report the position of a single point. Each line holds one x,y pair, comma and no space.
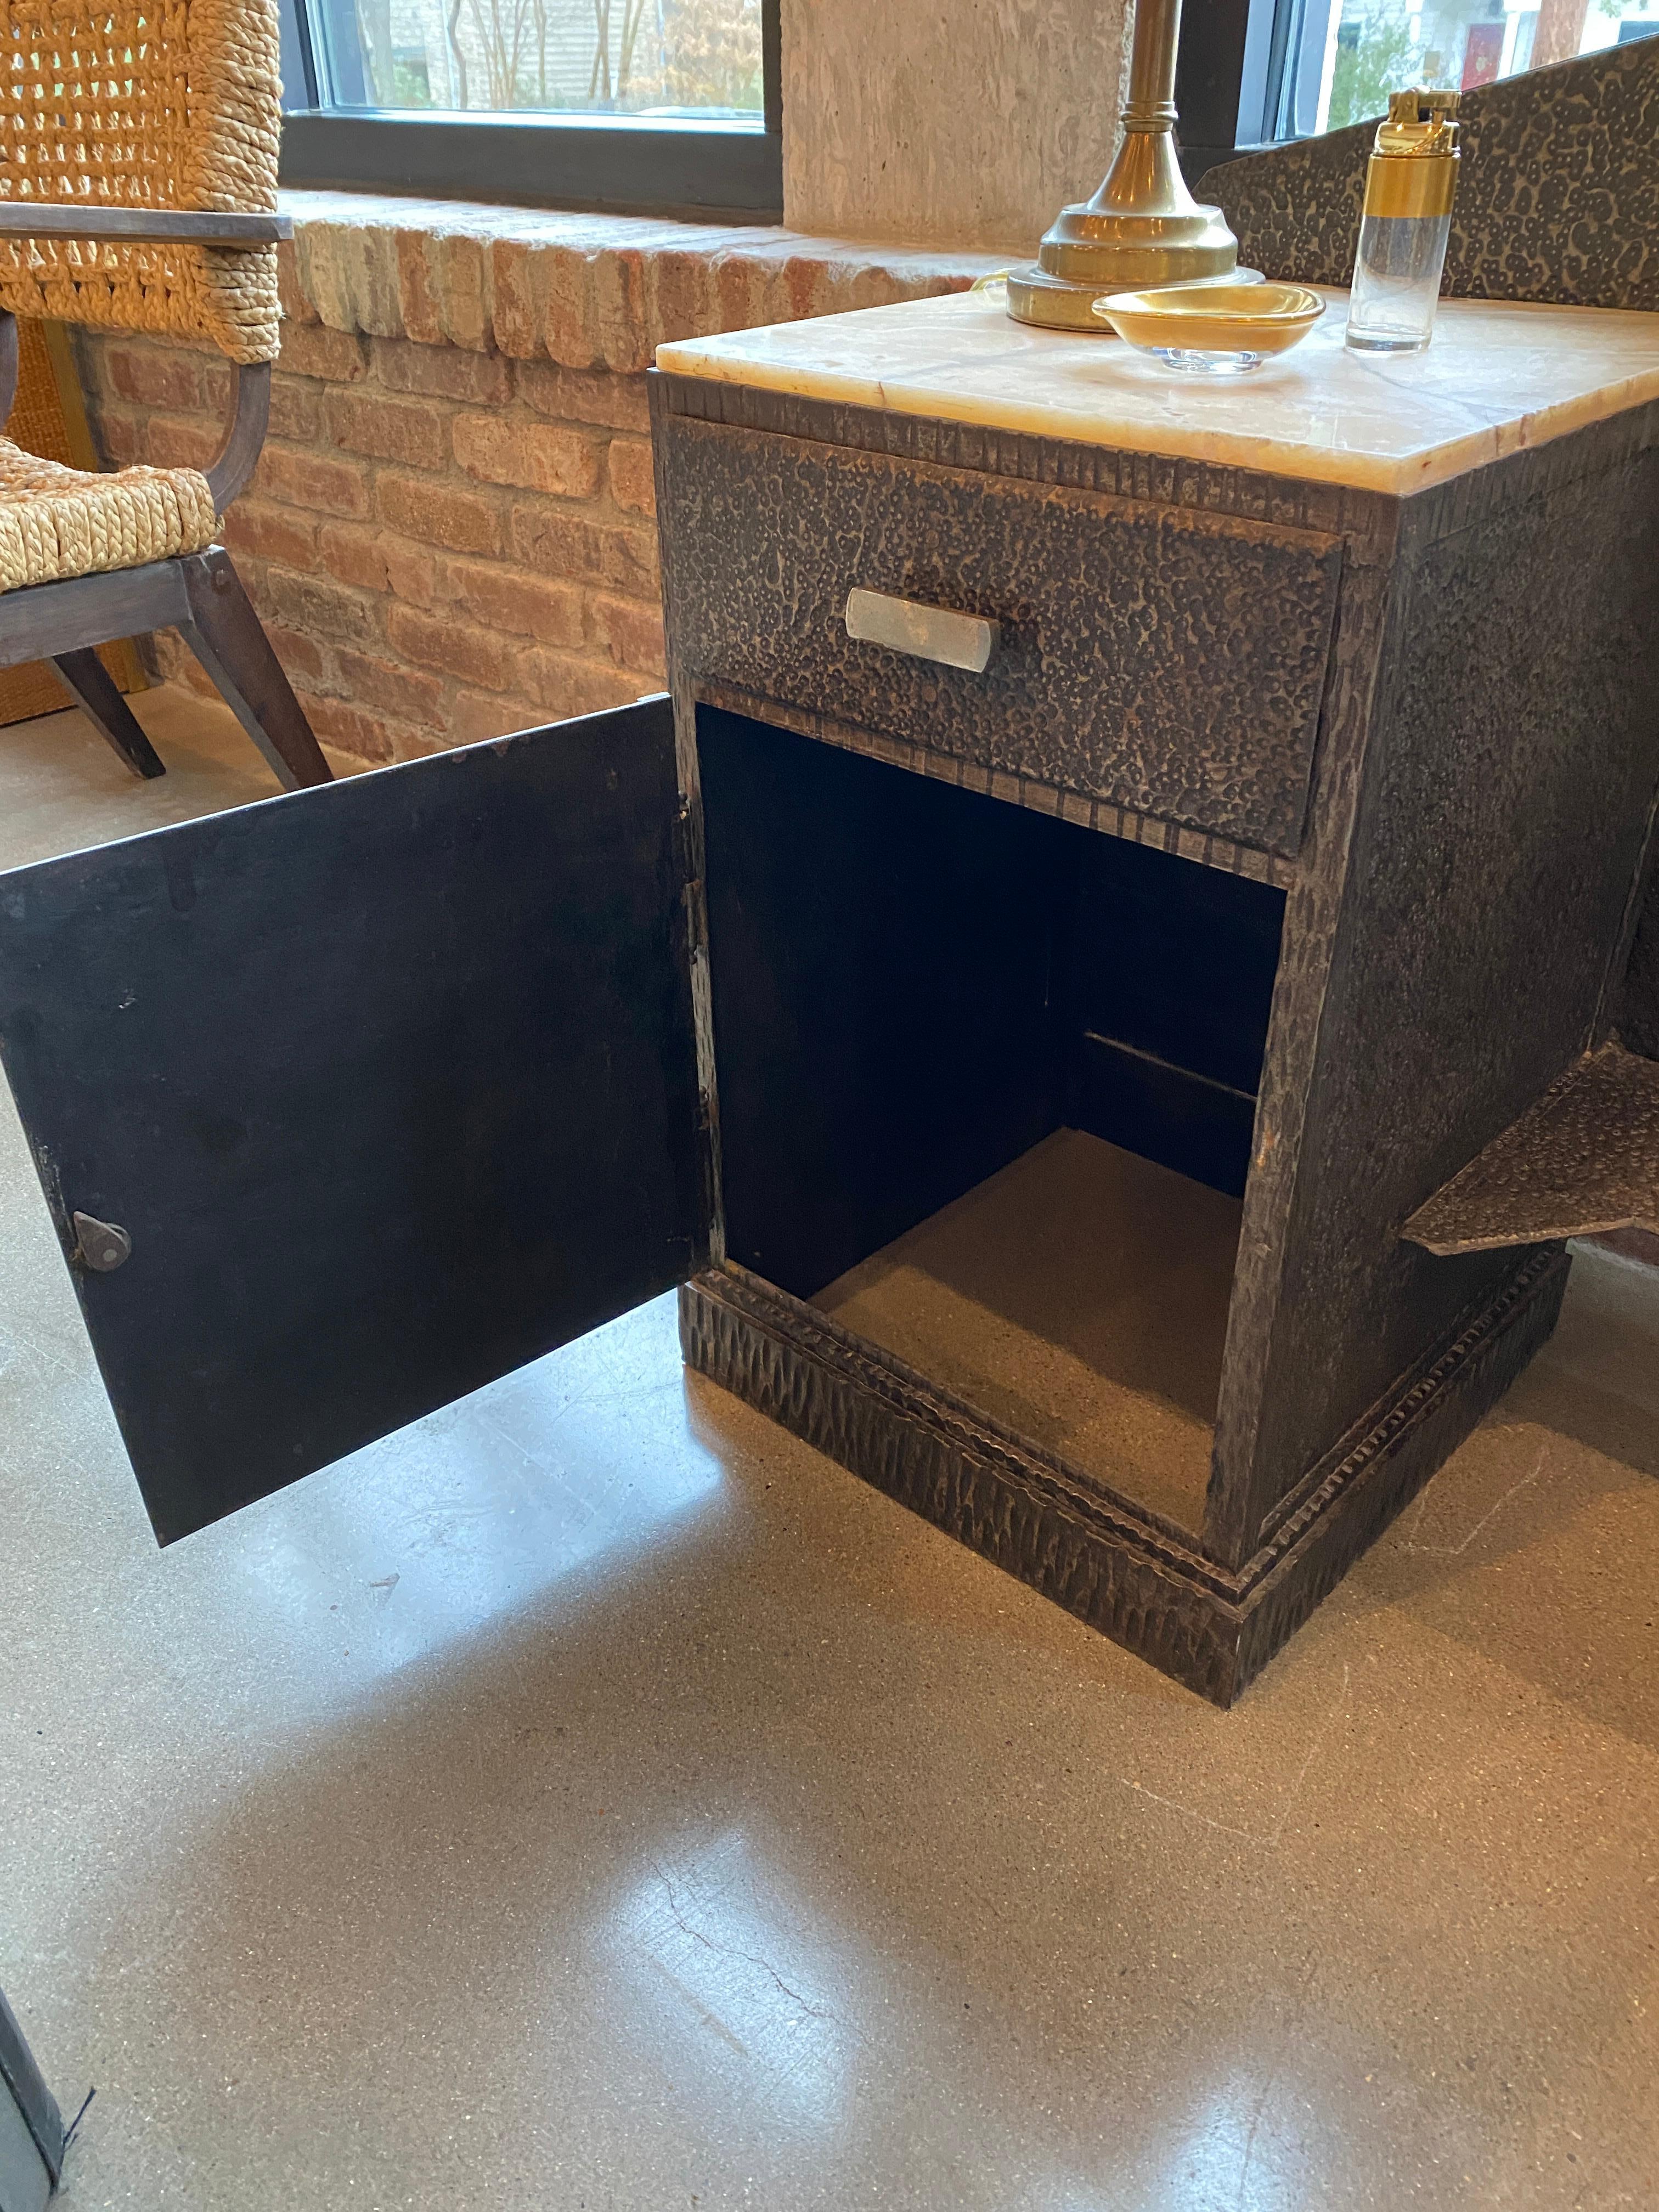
1203,846
1168,660
1584,1160
1364,520
1557,197
1508,779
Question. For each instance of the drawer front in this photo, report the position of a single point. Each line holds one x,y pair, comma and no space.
1162,659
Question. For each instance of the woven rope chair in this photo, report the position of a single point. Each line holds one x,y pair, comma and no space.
138,191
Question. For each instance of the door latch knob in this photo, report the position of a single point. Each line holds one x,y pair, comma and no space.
103,1246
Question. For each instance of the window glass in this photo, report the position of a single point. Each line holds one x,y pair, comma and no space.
1343,57
699,58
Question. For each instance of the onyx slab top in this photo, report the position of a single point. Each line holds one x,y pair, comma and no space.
1498,378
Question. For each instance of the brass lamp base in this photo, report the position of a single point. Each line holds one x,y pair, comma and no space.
1034,296
1143,227
1089,253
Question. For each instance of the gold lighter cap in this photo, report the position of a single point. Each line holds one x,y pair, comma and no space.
1414,171
1419,123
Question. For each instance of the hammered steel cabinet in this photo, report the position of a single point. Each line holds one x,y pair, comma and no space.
1290,842
1046,1076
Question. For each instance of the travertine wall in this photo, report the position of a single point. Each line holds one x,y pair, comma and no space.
965,122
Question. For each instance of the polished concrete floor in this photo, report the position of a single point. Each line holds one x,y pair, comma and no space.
590,1798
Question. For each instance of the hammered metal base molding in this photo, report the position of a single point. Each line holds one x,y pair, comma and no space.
1558,199
1583,1161
1121,1570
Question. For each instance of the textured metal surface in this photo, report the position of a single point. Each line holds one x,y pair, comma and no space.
1171,661
1585,1158
1364,520
1103,815
1558,197
1124,1571
1468,871
1488,758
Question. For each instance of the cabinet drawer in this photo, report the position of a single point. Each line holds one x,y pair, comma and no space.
1159,658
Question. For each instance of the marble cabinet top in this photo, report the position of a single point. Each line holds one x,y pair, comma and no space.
1498,377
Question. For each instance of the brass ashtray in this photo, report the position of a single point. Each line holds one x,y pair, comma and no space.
1212,330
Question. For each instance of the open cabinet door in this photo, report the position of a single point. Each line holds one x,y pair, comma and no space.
349,1102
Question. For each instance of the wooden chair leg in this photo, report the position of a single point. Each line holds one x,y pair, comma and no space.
92,688
226,637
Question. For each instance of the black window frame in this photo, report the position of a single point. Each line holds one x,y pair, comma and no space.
1229,78
718,171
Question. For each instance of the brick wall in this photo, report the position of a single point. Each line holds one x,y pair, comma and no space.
445,545
450,534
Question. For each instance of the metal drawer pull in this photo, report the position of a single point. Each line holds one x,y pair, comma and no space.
926,633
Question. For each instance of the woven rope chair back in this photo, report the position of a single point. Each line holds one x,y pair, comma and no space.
144,104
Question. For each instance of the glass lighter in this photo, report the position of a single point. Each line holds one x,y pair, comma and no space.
1409,185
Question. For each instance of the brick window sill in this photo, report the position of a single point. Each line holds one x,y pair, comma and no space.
586,292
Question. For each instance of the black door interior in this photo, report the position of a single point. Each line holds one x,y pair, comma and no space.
391,1085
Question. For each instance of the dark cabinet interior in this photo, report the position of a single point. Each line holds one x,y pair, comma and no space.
986,1083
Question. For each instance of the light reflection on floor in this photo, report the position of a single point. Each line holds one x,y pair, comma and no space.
467,1516
1230,2153
733,2000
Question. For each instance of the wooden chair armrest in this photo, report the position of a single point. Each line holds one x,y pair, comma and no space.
139,226
236,460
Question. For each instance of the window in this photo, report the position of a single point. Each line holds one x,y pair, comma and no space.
648,106
1256,71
